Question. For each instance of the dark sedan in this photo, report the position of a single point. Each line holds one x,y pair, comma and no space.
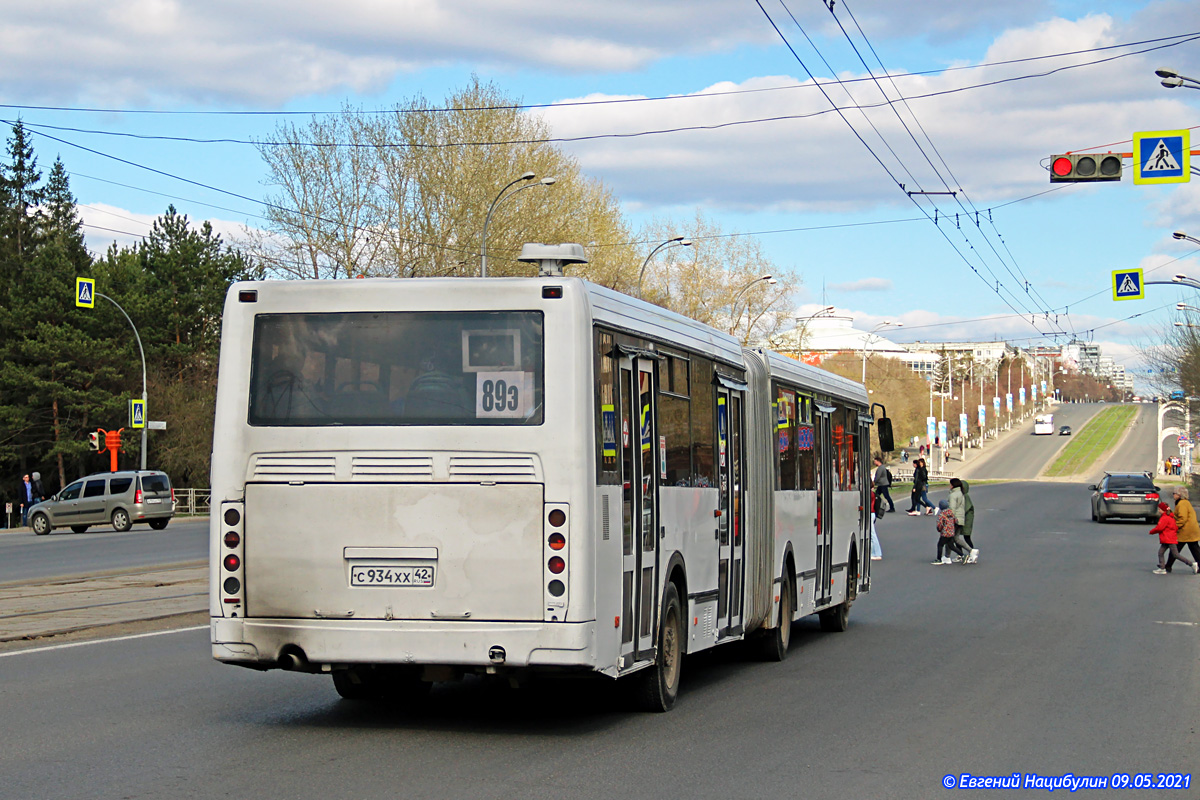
1124,495
1065,430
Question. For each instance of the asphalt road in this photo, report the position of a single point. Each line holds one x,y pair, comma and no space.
1021,455
25,556
1059,652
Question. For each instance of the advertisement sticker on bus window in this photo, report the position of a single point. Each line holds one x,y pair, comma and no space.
721,427
662,457
608,421
645,427
503,394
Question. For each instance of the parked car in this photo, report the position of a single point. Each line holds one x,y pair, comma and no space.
1124,495
119,498
1065,430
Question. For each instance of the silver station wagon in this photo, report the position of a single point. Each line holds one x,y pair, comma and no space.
119,498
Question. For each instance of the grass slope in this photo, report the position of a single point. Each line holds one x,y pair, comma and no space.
1101,433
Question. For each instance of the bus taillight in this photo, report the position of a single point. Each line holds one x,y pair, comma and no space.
232,561
557,529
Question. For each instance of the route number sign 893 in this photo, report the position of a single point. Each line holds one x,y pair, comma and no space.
503,395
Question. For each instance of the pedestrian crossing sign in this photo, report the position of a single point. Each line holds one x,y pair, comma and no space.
1162,157
1128,284
85,292
137,413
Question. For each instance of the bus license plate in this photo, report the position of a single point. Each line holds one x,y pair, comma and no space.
378,575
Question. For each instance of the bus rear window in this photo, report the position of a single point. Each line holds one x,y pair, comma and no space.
397,368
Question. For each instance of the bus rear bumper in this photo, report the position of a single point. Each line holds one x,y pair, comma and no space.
261,642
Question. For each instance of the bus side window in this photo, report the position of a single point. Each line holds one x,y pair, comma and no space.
703,436
785,436
606,410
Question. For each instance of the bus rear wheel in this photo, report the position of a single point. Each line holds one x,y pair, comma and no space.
774,643
659,685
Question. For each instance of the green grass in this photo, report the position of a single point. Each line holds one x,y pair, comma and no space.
1094,440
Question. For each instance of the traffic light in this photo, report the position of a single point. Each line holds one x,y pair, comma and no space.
94,440
1083,167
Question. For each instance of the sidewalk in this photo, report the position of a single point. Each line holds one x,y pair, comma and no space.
970,457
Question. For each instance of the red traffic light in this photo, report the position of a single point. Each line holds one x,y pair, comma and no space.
1084,167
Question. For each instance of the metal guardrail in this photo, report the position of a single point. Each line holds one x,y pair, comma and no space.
192,502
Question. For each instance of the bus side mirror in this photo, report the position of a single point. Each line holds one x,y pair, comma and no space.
884,429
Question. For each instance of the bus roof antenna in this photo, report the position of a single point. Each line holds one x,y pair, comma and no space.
551,258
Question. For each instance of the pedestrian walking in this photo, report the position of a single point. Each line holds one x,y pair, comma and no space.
39,491
25,498
1188,529
904,456
945,526
1168,534
969,521
876,550
882,480
958,504
920,490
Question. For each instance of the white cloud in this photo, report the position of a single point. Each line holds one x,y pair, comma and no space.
994,139
864,285
105,225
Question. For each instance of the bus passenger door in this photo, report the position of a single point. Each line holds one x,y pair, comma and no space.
732,522
639,511
823,443
867,484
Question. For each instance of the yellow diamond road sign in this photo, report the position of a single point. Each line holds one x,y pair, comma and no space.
1162,156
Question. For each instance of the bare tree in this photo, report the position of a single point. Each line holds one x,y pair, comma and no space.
719,280
405,193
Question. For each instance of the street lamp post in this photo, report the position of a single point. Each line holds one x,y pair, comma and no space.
142,353
500,196
803,328
1173,80
768,279
867,341
681,241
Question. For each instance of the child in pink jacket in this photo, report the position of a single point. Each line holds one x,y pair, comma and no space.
1168,540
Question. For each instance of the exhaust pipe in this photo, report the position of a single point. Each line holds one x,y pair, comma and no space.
293,660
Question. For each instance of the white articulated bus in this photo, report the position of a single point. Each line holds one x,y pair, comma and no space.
1043,424
415,479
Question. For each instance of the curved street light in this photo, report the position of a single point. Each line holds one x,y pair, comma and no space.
803,328
1173,80
867,341
528,176
1183,236
681,241
768,279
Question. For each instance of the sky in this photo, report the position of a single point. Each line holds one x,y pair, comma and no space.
734,106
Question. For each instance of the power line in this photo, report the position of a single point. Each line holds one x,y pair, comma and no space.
601,136
1170,41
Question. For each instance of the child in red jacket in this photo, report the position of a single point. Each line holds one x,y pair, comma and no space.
1168,540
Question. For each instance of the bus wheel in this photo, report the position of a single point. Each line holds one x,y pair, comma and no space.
836,619
660,684
353,684
773,644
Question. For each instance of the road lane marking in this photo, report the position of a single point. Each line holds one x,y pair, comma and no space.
101,641
1170,622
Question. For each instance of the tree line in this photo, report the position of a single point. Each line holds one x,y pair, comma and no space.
66,371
